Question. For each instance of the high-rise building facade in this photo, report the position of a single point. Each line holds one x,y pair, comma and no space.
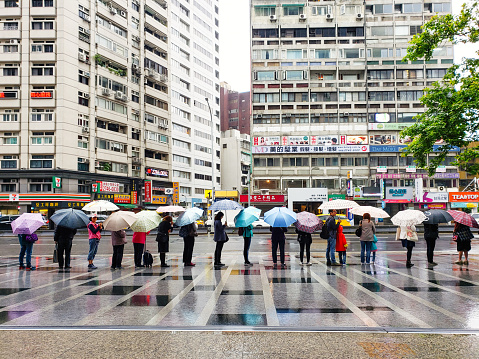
98,92
235,109
330,94
235,161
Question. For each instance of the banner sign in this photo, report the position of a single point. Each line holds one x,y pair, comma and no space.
398,148
277,198
57,182
105,197
159,199
435,206
133,197
121,198
109,187
418,186
382,169
46,205
176,192
311,149
307,194
431,197
404,193
310,140
389,126
155,172
148,192
415,175
463,196
267,141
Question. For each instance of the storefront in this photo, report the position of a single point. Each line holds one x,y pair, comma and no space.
434,200
263,201
306,199
464,200
398,199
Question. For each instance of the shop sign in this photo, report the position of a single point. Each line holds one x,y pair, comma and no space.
176,193
267,141
307,194
403,193
418,189
349,187
155,172
435,206
311,149
411,169
13,197
389,126
105,197
446,175
336,196
357,140
57,182
431,197
109,187
463,196
382,169
441,169
415,175
396,201
95,187
159,199
399,148
9,94
262,198
46,205
358,192
463,205
148,192
168,190
133,197
121,198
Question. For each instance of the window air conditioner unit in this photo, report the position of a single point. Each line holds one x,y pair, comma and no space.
105,91
85,130
287,115
86,95
124,98
136,38
81,57
86,18
122,13
163,78
272,17
346,114
302,16
329,17
118,95
441,188
13,41
113,11
152,73
86,74
359,16
265,191
259,116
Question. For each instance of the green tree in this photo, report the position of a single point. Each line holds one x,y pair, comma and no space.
452,105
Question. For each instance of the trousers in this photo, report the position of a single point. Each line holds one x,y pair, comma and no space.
219,248
274,244
117,256
64,248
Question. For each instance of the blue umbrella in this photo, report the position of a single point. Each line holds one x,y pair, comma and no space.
280,217
224,205
70,218
189,216
247,216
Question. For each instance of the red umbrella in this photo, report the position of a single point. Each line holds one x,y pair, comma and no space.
463,218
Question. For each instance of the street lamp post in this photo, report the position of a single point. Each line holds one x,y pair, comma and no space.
212,155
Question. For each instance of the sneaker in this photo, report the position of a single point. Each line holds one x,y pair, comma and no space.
466,263
309,263
248,263
92,266
189,264
120,267
112,268
31,268
459,262
432,264
335,264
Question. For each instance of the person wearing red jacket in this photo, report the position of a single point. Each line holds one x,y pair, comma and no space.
138,240
341,245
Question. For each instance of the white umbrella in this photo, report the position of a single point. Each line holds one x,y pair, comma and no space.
119,220
338,204
375,212
146,221
100,206
408,217
165,209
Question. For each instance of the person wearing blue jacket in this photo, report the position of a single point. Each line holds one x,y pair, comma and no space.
247,235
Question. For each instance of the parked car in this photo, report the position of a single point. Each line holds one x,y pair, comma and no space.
5,222
101,218
344,220
260,223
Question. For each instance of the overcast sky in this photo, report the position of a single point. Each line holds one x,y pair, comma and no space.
234,43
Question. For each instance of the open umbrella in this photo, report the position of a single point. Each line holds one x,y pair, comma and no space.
146,221
27,223
435,216
70,218
464,218
166,209
189,216
375,212
307,222
247,216
100,206
338,204
224,205
280,217
119,220
408,217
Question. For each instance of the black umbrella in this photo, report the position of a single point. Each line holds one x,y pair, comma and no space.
435,216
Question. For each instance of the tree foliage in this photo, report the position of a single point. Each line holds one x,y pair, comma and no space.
452,105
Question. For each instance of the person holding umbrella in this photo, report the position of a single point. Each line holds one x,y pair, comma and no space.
278,239
368,229
332,227
244,220
63,238
25,227
408,237
431,233
220,237
118,241
163,238
305,241
462,235
94,236
188,232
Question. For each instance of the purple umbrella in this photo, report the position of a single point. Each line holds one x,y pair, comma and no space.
307,222
27,223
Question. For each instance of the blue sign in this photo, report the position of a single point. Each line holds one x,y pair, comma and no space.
383,204
398,148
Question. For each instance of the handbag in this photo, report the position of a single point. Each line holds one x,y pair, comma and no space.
411,235
454,237
359,231
226,238
55,254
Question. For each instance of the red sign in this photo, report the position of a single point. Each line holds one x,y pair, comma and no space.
396,200
273,198
148,191
435,206
121,198
463,196
41,94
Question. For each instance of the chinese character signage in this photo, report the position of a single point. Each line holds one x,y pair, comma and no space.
57,182
262,198
415,175
311,149
267,141
176,192
399,194
133,197
105,197
431,197
382,169
389,126
109,187
159,199
148,192
121,198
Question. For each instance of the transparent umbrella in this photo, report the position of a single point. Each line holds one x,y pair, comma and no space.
189,216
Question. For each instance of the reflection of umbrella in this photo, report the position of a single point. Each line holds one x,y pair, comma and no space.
247,216
189,216
338,204
70,218
375,212
224,205
27,223
280,217
100,206
307,222
119,220
408,217
165,209
463,218
435,216
146,221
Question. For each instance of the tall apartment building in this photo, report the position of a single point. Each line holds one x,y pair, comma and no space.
235,109
90,95
330,94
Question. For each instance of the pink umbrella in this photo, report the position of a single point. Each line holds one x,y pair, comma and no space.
307,222
27,223
463,218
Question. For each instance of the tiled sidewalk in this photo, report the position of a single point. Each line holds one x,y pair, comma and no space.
384,295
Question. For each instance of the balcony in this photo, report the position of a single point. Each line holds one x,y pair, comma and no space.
42,11
11,11
43,34
43,56
42,80
10,32
10,80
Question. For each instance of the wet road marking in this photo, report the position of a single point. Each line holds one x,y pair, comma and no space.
272,319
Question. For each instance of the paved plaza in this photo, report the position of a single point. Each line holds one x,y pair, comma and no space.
239,302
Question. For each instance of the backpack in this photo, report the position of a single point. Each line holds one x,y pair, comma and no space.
31,238
147,259
184,232
240,231
324,231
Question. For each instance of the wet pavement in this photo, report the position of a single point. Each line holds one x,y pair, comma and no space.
236,303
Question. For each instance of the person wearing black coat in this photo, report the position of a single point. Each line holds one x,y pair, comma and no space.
63,237
163,238
278,239
431,233
305,241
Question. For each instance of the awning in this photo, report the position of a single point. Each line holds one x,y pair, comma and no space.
259,6
127,205
292,5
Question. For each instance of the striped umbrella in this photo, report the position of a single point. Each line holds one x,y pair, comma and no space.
307,222
463,218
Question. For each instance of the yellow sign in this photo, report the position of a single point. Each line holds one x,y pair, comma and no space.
226,194
159,199
208,193
176,192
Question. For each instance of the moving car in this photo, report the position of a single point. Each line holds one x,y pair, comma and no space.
344,220
5,221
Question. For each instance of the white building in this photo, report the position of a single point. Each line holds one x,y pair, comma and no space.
235,160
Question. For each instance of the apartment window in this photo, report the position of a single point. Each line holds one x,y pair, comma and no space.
351,53
322,32
42,138
381,52
441,7
292,10
11,3
415,29
43,69
265,97
135,96
10,49
324,118
435,73
352,96
409,74
82,100
411,8
83,142
8,162
381,74
9,187
181,144
321,10
382,30
265,11
182,159
401,30
204,163
381,95
347,161
42,3
383,9
41,161
9,138
10,25
83,77
109,25
112,46
182,174
42,46
324,54
324,96
10,115
110,105
40,185
409,95
294,75
38,115
111,84
135,5
10,70
294,162
42,24
111,145
265,33
350,31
